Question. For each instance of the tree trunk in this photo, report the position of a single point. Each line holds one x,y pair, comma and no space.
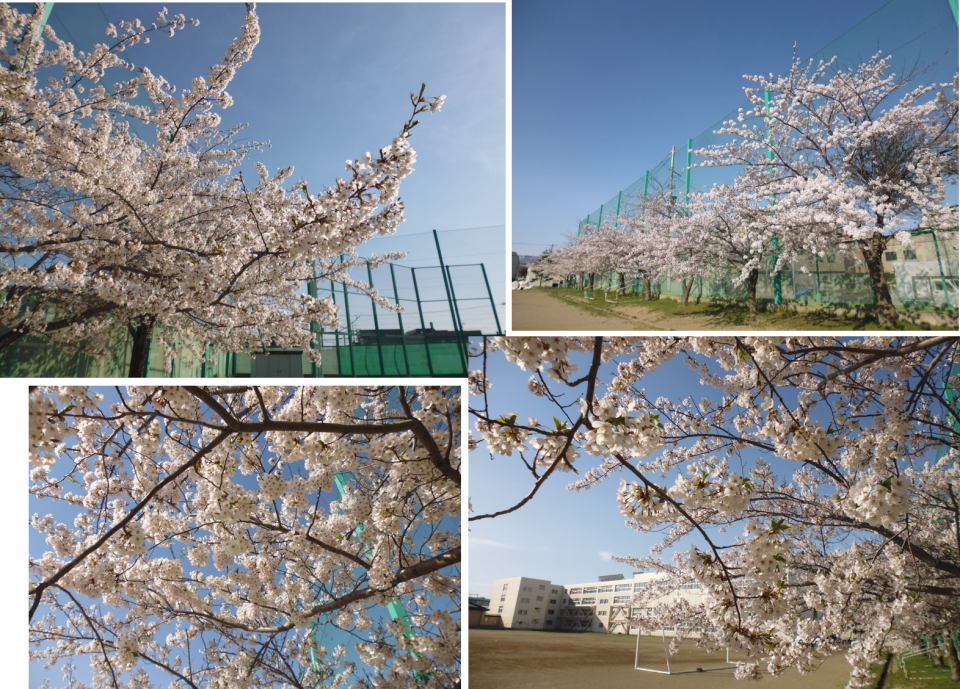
11,337
686,287
623,285
873,249
752,292
649,290
139,357
591,281
952,656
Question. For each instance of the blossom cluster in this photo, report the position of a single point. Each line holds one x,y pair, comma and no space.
619,429
536,353
878,502
708,489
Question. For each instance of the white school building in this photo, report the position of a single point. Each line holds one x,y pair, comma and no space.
596,606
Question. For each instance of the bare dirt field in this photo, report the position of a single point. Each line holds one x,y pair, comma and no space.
536,311
507,658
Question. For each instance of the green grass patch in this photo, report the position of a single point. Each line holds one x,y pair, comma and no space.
921,674
732,313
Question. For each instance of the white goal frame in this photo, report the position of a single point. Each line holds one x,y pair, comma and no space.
666,651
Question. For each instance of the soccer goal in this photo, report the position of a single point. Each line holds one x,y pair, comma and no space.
653,655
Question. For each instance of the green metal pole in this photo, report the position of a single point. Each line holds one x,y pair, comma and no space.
686,193
600,217
423,325
336,335
943,280
447,286
492,303
376,323
403,334
953,6
346,307
617,222
646,183
456,308
819,294
777,287
314,326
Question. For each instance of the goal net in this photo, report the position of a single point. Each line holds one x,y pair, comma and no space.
661,653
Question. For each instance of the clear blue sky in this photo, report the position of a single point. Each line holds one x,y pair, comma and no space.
601,91
327,635
565,536
329,82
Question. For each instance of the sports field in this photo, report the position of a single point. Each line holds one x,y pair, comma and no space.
505,658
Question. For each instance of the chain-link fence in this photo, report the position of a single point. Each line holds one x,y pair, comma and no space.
915,33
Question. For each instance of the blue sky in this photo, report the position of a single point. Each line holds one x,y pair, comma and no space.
601,91
329,82
326,635
565,536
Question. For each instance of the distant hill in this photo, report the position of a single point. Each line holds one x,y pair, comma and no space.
524,260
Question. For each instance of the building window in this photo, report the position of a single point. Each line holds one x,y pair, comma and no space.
623,587
890,255
549,623
618,600
602,613
503,598
537,609
553,601
692,585
589,601
540,598
524,600
909,255
541,587
574,591
605,589
589,589
551,612
575,601
553,592
505,587
536,620
500,609
639,586
519,623
604,601
521,612
527,588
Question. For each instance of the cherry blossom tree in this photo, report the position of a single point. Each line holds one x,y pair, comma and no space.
196,532
815,496
107,232
831,148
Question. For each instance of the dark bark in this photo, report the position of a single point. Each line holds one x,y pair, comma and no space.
139,357
951,653
752,292
873,249
11,337
649,289
687,287
623,285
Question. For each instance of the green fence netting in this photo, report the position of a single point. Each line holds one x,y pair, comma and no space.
913,32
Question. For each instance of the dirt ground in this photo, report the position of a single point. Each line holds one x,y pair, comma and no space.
537,311
507,658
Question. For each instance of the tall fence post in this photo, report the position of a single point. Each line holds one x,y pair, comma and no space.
943,279
403,334
423,325
336,334
346,307
376,323
443,271
493,304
